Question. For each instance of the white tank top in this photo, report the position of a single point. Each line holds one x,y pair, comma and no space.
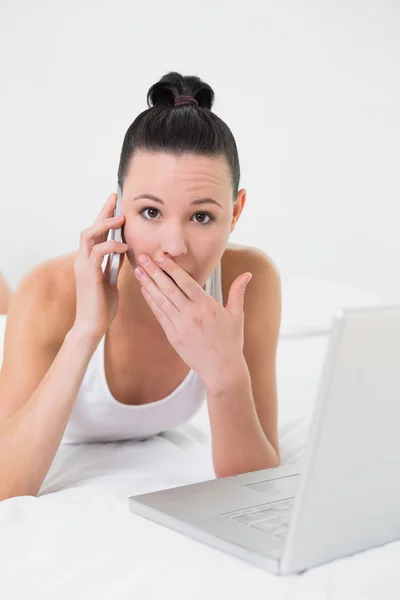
97,417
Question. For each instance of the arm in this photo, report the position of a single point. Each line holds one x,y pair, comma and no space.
30,438
243,403
39,380
239,444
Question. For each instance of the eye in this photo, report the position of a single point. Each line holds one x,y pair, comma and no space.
205,215
211,218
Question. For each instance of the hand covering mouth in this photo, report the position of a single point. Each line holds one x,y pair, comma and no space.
169,275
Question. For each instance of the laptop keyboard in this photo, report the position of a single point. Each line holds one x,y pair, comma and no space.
272,517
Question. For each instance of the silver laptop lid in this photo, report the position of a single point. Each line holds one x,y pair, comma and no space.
349,495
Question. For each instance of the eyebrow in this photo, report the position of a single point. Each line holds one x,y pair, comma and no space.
200,201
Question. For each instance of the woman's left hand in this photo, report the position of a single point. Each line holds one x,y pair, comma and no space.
207,336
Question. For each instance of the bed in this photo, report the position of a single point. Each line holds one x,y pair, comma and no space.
77,539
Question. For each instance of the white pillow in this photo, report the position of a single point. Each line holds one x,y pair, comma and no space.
308,303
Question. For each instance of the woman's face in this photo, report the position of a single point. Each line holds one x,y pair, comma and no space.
192,235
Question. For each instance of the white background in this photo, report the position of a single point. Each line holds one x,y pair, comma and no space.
311,91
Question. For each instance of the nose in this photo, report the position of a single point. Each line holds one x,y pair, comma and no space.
174,247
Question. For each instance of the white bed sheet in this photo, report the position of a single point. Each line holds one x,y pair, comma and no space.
77,539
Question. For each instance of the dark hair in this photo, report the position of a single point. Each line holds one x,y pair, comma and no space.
186,128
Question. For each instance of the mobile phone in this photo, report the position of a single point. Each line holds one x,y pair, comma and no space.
116,234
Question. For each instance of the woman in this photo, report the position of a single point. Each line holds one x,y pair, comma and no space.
88,361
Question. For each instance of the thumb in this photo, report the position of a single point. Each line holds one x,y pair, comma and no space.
236,294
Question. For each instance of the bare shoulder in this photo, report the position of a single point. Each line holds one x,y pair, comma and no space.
61,277
250,255
50,287
60,271
238,259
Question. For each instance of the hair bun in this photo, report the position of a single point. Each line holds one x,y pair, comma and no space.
173,84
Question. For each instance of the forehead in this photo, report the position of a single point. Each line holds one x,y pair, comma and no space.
189,171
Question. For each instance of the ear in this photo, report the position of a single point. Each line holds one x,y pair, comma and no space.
238,207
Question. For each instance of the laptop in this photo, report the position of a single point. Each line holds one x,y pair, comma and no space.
344,496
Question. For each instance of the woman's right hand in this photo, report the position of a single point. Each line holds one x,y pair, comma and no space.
96,299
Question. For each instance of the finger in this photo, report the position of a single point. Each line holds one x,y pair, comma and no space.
170,273
100,250
108,208
108,265
160,315
162,300
97,233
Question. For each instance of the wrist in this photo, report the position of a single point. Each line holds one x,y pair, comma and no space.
233,375
84,337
